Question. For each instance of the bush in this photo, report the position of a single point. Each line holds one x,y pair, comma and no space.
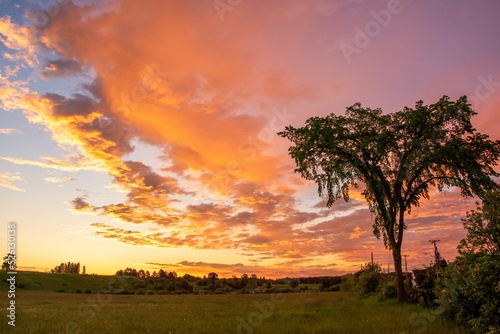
347,284
367,280
388,290
470,291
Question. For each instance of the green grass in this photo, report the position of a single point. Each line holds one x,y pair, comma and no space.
63,282
336,312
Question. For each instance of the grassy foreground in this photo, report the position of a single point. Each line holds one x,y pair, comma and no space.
336,312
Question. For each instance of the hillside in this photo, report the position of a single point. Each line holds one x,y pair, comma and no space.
38,281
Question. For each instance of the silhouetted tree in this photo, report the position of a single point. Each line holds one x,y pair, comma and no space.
398,157
8,260
67,268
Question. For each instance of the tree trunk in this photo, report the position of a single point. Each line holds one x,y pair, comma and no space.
398,268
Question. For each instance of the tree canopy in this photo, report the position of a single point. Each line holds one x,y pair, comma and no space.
397,157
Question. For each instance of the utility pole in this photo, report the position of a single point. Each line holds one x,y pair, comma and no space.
406,266
436,253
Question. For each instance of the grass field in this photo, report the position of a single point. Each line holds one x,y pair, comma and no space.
39,311
337,312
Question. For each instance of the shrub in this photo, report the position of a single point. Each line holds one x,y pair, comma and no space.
368,282
388,290
363,282
470,291
347,284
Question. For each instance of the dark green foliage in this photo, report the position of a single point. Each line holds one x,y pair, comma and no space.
347,284
365,281
183,284
389,290
470,291
428,282
398,157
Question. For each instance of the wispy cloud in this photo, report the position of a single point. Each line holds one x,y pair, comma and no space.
58,179
54,163
9,131
6,179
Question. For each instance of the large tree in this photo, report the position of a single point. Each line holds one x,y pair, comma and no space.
398,158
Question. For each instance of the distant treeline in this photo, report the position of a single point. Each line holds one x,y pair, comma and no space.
67,268
169,282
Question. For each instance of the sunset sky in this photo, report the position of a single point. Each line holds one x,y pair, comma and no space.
143,133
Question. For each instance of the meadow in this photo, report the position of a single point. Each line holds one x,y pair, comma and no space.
42,311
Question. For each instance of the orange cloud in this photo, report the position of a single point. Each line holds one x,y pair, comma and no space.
19,40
